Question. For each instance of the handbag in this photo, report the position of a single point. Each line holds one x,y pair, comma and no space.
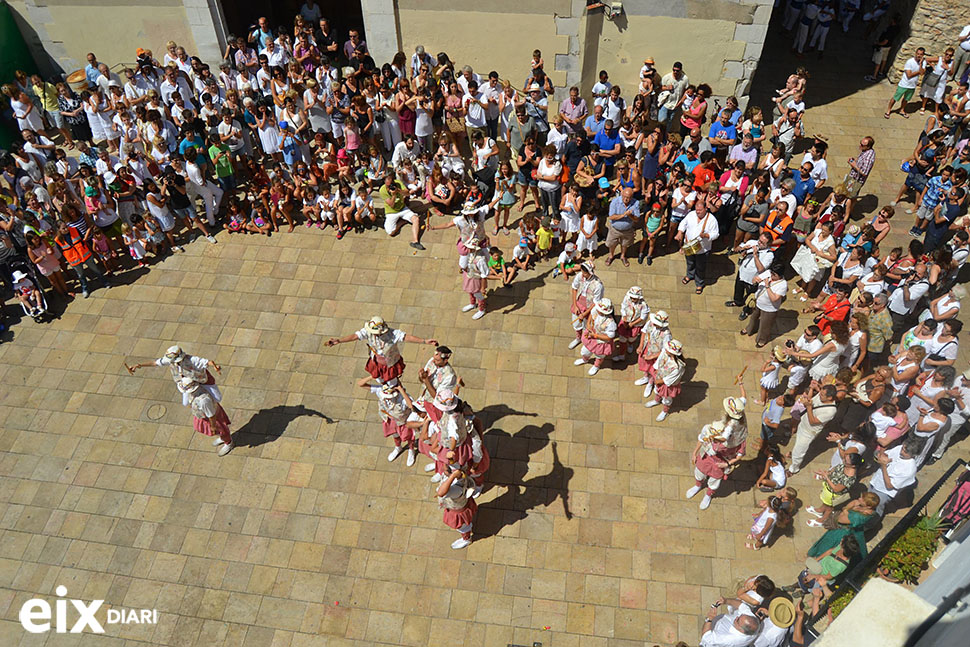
931,79
455,125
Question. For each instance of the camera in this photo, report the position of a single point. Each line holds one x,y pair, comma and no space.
790,344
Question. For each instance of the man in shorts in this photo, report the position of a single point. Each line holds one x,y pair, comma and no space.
395,196
884,43
907,83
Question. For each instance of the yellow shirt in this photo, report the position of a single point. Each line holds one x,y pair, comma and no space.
544,238
48,95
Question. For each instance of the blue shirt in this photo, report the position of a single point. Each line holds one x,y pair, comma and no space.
607,143
91,73
803,188
262,37
721,131
594,126
690,165
936,190
617,207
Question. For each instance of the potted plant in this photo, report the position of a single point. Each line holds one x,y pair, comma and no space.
908,556
840,602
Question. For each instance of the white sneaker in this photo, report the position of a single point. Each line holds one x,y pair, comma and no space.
429,467
225,449
691,493
469,307
479,314
812,511
706,502
397,451
573,344
661,416
648,390
178,248
651,403
217,441
477,492
211,239
458,544
411,456
437,478
643,380
579,362
593,370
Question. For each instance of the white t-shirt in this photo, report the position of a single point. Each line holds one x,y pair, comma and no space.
686,203
693,226
789,199
902,306
747,268
910,83
601,88
235,142
545,168
779,287
901,471
474,113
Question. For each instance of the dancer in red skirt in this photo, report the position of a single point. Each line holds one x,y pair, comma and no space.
587,289
459,508
475,281
652,340
634,313
714,458
437,374
208,416
385,363
395,406
598,336
668,371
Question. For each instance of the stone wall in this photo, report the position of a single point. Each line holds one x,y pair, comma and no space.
935,25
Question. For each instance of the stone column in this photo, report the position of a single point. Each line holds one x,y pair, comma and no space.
381,29
208,29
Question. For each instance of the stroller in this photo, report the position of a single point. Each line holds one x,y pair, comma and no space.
22,269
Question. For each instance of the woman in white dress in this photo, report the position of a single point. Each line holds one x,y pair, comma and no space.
814,258
507,101
387,118
855,351
92,105
825,361
315,101
423,125
27,114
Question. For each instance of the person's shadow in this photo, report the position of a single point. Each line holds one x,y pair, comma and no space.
269,424
521,497
515,295
492,413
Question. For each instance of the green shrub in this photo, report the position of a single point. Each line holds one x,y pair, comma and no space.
909,554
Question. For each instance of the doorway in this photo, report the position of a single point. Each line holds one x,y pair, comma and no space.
241,15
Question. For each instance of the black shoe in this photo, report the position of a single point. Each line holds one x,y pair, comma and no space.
732,304
418,246
640,259
649,260
744,315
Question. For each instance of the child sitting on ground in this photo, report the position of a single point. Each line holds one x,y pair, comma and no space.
27,293
497,267
764,524
522,255
773,476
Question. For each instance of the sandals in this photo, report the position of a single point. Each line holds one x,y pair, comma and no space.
685,280
609,261
699,289
886,115
752,546
625,262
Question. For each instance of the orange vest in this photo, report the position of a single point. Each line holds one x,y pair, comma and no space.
776,224
75,252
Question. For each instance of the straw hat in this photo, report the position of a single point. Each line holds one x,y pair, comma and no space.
674,347
734,407
853,230
445,400
659,318
781,612
604,306
376,326
174,352
648,61
779,353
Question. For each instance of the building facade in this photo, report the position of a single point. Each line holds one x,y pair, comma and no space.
718,41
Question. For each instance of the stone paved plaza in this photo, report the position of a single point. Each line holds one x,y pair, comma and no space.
305,534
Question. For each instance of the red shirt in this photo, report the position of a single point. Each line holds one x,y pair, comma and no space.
702,176
833,310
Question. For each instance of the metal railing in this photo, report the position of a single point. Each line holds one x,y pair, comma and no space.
853,578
